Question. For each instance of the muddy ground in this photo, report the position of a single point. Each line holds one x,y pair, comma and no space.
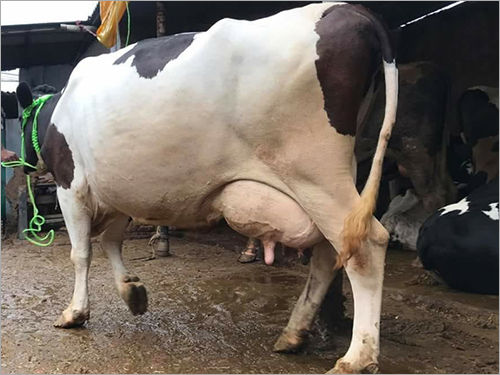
210,314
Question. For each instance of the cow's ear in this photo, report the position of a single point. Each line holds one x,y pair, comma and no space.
24,94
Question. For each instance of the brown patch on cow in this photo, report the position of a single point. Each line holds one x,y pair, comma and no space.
58,157
152,55
351,42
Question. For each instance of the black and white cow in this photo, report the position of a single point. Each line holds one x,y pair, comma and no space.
257,121
460,242
478,121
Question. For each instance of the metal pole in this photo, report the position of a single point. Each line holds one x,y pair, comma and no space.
163,244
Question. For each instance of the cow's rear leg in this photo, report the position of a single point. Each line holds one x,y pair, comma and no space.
131,290
77,223
366,273
321,274
328,210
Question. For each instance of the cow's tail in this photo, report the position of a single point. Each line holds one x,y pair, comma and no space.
358,221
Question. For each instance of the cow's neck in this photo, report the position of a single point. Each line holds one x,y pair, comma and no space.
43,123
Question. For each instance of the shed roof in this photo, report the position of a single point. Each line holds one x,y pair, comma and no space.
50,44
41,44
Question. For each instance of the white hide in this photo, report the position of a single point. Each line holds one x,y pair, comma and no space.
216,88
492,213
461,206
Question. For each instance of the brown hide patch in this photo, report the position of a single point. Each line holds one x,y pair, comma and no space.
349,53
58,157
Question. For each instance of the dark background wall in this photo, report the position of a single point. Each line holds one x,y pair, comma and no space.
185,16
463,41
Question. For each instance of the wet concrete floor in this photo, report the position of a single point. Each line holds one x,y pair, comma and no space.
210,314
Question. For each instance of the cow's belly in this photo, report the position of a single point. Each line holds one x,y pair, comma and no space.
260,211
165,184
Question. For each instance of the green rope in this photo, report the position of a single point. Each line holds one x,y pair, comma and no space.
36,222
128,24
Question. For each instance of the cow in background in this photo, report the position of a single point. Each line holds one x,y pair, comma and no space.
417,141
459,243
472,161
416,155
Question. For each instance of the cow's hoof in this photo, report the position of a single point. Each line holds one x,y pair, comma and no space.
72,318
288,342
342,367
134,294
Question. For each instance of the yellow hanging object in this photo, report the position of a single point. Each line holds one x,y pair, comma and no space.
111,14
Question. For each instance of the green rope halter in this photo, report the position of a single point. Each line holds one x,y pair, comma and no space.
36,222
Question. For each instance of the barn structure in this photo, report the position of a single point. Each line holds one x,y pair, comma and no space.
462,40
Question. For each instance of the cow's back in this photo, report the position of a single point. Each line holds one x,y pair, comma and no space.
232,86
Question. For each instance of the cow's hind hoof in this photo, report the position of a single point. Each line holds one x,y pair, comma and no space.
134,294
288,342
342,367
72,319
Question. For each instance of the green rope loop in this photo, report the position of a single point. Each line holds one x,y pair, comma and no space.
36,222
34,130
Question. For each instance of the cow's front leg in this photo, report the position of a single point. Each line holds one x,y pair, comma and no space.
77,222
321,274
130,289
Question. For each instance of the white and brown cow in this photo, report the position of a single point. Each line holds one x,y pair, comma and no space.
255,118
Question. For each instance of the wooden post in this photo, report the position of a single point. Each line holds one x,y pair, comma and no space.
161,24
